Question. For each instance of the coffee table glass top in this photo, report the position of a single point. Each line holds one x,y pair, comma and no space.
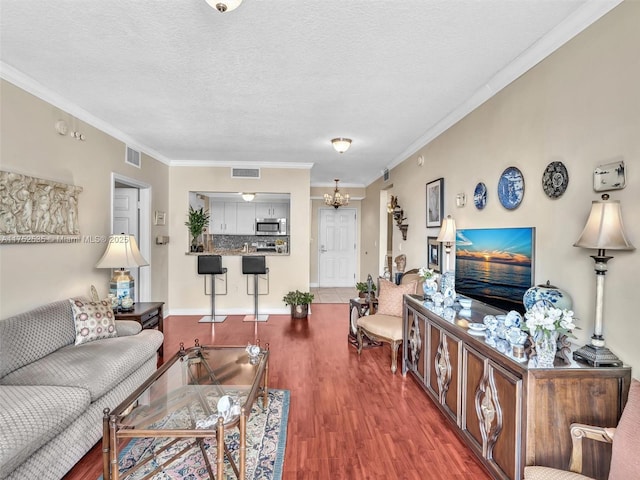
185,393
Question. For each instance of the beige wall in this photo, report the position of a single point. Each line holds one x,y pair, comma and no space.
34,274
186,289
580,106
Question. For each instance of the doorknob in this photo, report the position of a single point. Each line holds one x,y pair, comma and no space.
322,249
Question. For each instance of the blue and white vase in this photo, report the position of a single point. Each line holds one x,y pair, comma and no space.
549,294
429,287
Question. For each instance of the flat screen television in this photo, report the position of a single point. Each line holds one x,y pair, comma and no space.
495,265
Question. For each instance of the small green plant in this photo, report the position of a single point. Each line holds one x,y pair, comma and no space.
196,223
363,288
298,298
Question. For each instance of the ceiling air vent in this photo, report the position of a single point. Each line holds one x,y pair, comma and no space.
245,173
132,157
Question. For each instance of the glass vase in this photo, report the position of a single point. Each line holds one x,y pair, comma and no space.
546,344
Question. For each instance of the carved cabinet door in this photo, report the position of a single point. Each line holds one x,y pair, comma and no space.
444,369
492,414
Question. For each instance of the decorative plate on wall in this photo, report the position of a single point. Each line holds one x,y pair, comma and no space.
480,196
511,188
555,179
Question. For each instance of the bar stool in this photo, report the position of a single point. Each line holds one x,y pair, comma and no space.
256,266
212,265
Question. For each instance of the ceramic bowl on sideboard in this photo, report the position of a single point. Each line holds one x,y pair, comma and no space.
464,302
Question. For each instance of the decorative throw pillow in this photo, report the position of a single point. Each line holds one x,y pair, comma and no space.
625,462
390,297
93,320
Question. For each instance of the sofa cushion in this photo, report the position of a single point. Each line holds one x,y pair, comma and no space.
390,297
548,473
31,416
26,337
625,458
97,366
93,320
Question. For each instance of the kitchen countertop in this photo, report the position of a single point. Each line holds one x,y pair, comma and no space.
238,252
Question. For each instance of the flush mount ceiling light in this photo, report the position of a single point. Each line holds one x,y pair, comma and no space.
224,5
341,144
337,199
247,197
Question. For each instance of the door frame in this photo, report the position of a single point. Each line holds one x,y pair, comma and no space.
144,228
356,240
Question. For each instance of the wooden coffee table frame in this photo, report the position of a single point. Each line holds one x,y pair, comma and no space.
112,432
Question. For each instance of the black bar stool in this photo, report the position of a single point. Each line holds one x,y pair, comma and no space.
212,265
256,266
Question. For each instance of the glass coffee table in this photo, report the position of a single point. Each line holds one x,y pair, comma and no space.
199,393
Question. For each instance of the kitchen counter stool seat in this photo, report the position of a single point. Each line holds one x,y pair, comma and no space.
212,265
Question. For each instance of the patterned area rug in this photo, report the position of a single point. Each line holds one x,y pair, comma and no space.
266,440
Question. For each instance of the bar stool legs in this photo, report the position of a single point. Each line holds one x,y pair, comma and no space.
212,264
255,265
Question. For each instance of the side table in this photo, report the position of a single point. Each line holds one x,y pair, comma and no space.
147,314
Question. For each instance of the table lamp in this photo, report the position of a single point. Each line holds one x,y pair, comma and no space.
447,236
604,231
122,253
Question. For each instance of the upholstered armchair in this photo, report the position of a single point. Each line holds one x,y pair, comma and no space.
386,324
625,440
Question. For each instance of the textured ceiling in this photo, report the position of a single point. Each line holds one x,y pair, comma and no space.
275,80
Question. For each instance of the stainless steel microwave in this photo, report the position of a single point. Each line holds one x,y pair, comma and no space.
271,226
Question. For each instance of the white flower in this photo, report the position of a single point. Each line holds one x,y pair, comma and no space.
549,319
425,273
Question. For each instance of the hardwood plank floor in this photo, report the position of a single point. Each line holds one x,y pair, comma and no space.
350,417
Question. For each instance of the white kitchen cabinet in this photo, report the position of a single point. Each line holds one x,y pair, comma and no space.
223,218
246,218
272,210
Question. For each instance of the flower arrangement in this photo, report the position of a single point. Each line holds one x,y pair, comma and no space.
426,273
548,319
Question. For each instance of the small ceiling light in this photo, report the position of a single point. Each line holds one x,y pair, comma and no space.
247,197
224,5
341,144
337,199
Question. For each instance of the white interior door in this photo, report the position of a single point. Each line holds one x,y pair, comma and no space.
337,241
126,219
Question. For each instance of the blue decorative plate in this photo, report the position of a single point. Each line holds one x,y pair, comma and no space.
480,196
511,188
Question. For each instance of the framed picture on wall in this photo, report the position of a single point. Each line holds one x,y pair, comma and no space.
434,254
435,200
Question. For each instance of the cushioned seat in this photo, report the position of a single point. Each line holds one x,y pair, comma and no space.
386,324
22,432
625,458
85,365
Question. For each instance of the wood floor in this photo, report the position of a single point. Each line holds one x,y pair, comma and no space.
349,418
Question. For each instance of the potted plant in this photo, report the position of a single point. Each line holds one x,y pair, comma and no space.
363,289
299,302
196,223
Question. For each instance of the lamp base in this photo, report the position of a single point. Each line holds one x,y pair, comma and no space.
597,356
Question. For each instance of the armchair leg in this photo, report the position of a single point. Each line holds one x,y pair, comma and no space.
394,355
359,338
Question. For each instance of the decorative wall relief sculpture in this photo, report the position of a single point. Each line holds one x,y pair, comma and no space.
34,210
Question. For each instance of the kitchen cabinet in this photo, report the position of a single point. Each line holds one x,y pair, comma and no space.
272,210
246,218
509,414
223,218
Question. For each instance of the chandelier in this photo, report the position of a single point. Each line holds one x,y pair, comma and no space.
337,199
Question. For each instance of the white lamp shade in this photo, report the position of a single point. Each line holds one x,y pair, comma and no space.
247,197
604,228
447,231
122,252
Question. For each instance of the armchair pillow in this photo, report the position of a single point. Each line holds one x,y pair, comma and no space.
390,297
625,461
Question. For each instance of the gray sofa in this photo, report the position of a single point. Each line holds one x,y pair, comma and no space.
53,393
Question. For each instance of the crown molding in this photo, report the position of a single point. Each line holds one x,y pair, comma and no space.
225,163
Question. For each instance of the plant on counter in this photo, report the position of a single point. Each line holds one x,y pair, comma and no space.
299,302
196,223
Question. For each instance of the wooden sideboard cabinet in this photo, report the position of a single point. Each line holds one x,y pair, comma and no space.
508,414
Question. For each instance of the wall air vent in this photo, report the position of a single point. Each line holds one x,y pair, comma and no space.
385,175
133,157
245,173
